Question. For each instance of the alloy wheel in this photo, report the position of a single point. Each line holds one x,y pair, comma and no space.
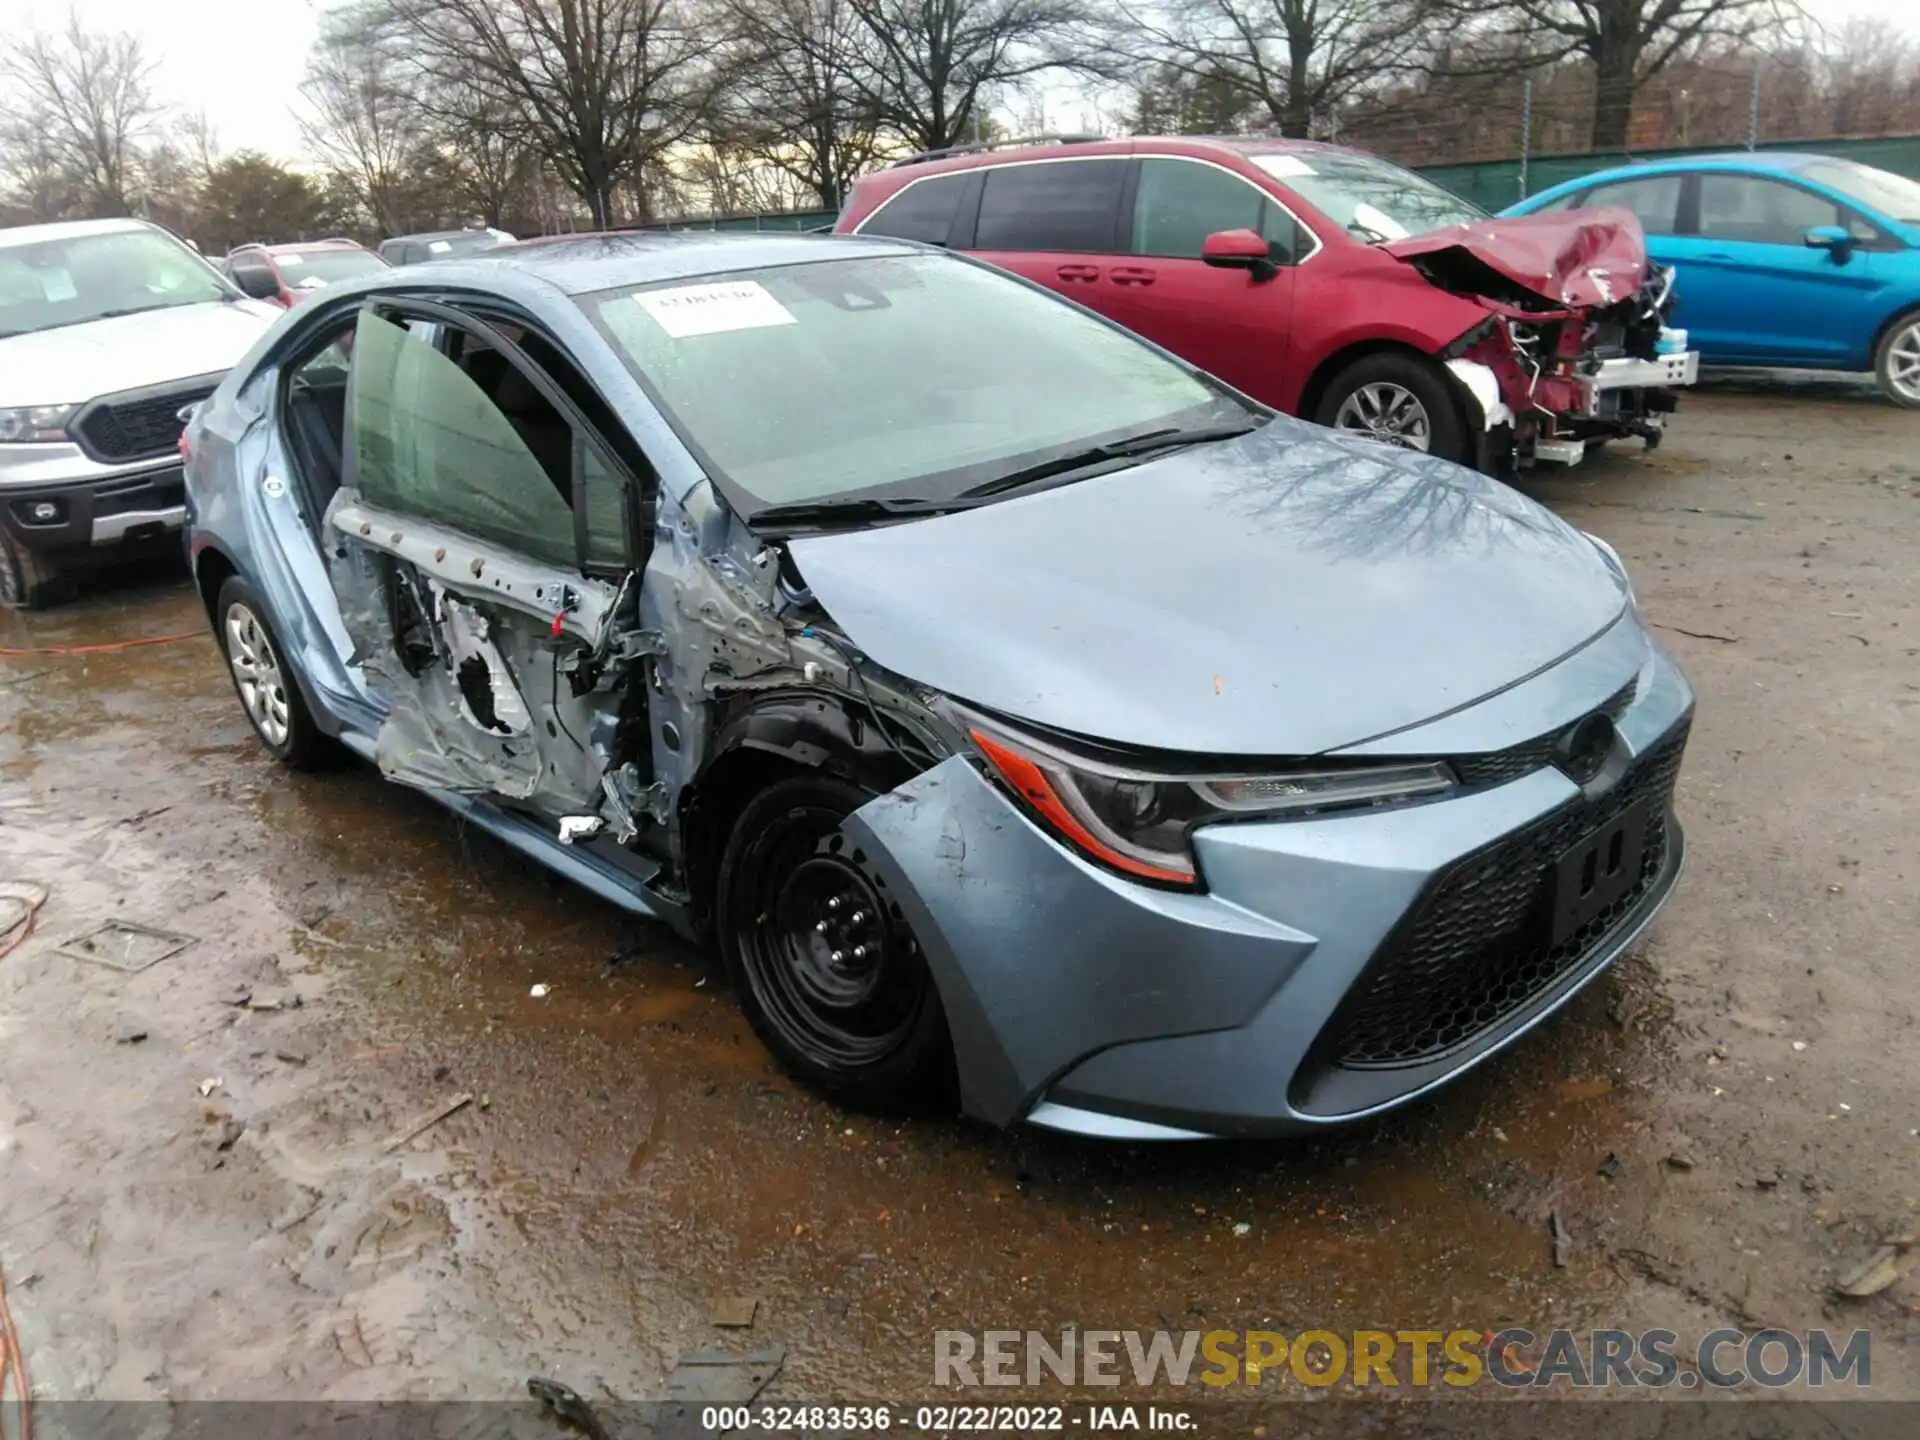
1387,412
1903,362
257,675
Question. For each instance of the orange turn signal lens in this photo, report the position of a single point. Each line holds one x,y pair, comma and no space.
1031,781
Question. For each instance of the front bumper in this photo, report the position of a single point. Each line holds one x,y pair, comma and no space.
54,499
1663,372
1082,1001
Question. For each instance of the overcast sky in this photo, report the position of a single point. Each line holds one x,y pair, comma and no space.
242,63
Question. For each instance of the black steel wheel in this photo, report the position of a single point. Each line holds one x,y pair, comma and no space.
825,965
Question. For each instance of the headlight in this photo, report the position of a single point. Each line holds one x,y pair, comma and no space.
1140,823
36,422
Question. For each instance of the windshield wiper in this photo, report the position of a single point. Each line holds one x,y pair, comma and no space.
833,512
136,310
1129,448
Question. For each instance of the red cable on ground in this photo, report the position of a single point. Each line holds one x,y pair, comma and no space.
106,648
14,1363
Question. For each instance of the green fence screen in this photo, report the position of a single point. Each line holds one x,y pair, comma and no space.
1491,184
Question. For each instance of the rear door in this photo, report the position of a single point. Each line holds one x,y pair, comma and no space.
1227,322
480,553
1751,289
1059,222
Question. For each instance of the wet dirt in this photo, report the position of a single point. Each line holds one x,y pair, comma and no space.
629,1156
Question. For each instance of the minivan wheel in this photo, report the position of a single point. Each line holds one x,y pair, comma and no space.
1400,399
1897,361
824,963
268,693
28,582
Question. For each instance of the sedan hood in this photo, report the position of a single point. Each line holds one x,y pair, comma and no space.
74,363
1576,259
1288,593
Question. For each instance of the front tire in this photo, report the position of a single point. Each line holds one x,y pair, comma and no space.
1896,361
825,965
1401,400
28,582
267,690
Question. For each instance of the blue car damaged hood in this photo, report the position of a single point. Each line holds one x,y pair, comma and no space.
1287,593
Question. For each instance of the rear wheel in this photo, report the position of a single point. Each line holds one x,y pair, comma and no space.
27,581
268,693
1402,400
824,963
1897,361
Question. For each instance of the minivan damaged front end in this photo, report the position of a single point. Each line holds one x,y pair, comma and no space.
1574,347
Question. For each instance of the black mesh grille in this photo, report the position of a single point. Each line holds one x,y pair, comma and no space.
1478,945
1530,755
137,428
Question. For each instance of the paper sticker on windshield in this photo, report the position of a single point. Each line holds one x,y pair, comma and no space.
1283,167
439,247
713,309
290,262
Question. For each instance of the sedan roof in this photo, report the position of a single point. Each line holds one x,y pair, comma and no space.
580,264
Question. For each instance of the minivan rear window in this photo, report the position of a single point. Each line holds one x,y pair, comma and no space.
923,211
1052,205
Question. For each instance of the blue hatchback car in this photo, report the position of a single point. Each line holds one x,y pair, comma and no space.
1800,260
1019,711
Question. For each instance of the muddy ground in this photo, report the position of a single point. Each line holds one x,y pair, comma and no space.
1722,1125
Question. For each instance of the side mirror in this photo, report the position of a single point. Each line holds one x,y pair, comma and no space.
1239,250
256,282
1837,240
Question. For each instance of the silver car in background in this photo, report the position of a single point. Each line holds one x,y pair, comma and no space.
1027,718
108,329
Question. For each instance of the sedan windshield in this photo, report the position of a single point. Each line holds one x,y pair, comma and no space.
70,281
323,267
910,378
1374,200
1894,196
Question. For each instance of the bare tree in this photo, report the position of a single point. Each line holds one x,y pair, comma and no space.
1626,41
1872,78
1293,59
485,151
802,98
934,58
1173,99
367,122
601,88
80,102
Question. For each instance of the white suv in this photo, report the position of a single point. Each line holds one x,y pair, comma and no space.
108,330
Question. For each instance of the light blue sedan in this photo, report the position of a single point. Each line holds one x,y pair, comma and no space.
1030,721
1801,260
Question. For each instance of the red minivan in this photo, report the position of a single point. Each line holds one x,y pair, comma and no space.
1324,282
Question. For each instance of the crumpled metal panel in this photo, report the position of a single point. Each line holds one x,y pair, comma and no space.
1579,258
430,736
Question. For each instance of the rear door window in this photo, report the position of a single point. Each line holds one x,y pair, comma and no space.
1071,205
923,211
1179,203
1759,211
1654,200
